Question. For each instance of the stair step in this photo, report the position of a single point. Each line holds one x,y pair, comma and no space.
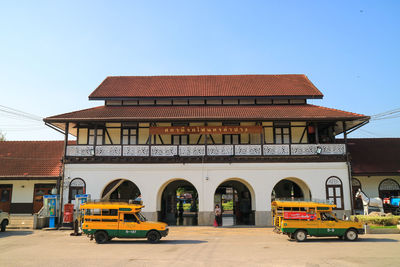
21,221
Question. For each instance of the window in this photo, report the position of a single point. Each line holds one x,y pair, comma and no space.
231,139
389,188
99,140
181,139
282,133
76,187
130,218
91,136
130,134
109,212
334,191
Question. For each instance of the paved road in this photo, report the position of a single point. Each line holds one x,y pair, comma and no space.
196,246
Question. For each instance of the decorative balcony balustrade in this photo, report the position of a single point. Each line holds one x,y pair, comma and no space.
203,150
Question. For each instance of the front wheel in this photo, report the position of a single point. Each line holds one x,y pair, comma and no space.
101,237
3,226
300,235
351,235
153,237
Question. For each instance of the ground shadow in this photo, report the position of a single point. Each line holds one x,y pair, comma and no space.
8,233
162,242
336,240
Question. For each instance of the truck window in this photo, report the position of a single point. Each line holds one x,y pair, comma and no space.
109,212
130,218
141,217
327,217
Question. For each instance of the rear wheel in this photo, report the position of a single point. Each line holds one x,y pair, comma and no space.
351,235
153,237
101,237
3,225
300,235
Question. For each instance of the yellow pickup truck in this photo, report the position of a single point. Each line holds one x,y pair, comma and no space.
299,219
107,220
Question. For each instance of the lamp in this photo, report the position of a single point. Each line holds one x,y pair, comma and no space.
319,150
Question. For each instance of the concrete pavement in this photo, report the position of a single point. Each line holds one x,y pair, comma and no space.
196,246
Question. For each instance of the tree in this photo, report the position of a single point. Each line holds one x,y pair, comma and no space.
2,136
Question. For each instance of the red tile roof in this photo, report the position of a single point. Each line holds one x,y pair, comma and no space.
267,112
31,158
206,86
374,156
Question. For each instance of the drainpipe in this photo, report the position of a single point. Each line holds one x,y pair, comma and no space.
63,175
348,168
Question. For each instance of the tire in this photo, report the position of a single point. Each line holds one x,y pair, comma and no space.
300,235
101,237
153,237
351,235
3,225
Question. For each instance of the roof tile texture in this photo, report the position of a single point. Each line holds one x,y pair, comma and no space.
31,158
206,86
206,112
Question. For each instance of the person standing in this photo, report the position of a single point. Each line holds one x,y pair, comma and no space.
218,215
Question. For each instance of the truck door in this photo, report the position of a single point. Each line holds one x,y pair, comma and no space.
129,225
327,224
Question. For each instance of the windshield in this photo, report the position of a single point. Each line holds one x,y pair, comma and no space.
141,217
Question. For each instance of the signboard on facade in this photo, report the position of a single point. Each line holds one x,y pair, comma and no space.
175,130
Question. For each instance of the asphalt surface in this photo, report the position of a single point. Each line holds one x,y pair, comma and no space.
196,246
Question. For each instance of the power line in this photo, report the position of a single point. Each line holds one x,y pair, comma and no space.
19,113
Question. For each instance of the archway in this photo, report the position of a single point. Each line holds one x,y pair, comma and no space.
291,189
120,190
235,200
179,203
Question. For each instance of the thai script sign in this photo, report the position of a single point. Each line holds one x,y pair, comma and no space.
175,130
299,215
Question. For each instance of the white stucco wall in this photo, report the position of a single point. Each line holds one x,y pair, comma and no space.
370,184
260,178
22,190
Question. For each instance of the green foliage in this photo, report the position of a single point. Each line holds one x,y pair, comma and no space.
377,220
2,136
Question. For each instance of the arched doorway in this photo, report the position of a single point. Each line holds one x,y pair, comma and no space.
388,188
179,203
120,190
234,198
290,189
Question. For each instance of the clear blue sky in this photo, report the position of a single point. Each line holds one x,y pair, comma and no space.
53,54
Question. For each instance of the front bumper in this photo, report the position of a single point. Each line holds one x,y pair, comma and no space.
361,231
164,233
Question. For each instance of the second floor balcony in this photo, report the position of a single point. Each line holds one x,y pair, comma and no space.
267,150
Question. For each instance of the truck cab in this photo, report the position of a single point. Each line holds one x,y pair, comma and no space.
105,221
299,219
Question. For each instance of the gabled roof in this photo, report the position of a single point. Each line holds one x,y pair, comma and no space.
168,113
124,87
31,158
374,156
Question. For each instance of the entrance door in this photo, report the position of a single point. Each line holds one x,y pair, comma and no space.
5,197
38,193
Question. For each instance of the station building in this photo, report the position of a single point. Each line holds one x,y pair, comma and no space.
28,170
186,143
